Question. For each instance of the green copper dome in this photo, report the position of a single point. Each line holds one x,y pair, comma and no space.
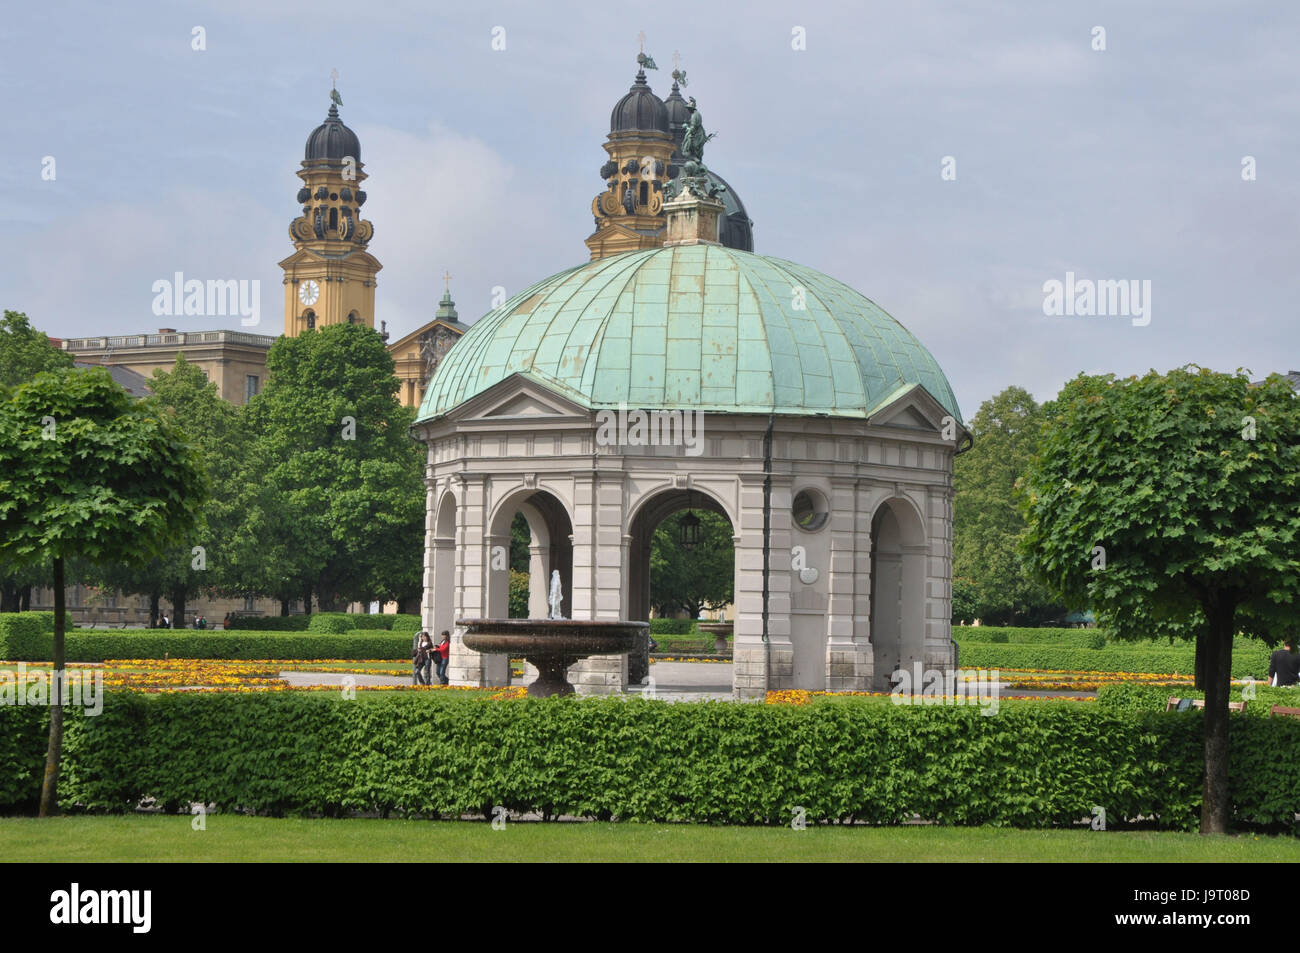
694,327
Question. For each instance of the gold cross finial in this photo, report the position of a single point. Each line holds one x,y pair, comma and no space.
446,281
640,38
334,77
677,59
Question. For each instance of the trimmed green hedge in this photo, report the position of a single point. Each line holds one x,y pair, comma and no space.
19,628
88,645
672,626
636,759
1014,635
328,622
1131,697
271,623
350,621
1251,660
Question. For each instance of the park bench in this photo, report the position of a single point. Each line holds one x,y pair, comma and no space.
1283,710
1182,704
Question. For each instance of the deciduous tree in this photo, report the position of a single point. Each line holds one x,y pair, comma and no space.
1170,503
987,523
87,471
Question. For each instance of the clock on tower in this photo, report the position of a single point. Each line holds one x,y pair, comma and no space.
330,277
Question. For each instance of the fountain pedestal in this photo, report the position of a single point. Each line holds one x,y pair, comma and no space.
719,631
552,645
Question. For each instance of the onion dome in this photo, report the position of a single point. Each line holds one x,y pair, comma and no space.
640,110
332,140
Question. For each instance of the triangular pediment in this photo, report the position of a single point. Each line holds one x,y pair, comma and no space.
913,408
524,405
518,396
407,340
909,418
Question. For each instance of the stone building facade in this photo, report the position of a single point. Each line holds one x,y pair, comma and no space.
679,370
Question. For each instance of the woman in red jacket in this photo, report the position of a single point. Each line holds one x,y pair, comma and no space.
442,652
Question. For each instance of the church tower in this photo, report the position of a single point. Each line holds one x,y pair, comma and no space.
330,277
629,213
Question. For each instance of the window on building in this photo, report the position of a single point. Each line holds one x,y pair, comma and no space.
311,320
250,604
250,387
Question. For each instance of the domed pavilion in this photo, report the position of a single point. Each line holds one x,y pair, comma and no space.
679,370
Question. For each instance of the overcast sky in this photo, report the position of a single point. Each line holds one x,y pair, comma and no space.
1125,163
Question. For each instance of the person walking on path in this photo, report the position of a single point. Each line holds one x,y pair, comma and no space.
444,652
423,658
1284,665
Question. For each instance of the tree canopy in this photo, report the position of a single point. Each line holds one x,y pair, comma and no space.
25,352
87,471
212,426
702,577
331,484
1170,504
995,584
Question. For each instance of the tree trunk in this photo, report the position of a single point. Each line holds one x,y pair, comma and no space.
1216,808
284,607
178,608
155,597
1198,669
54,753
25,603
306,599
8,598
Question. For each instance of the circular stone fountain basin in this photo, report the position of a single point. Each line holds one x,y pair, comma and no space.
719,631
552,645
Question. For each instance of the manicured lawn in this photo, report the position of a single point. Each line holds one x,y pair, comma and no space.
232,838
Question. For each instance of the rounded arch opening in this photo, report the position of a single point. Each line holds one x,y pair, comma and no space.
530,534
897,621
665,576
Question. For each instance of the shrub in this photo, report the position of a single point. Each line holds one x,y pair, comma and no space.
1024,635
271,623
333,622
97,645
1096,639
672,626
22,632
1121,657
351,621
1131,697
369,623
438,754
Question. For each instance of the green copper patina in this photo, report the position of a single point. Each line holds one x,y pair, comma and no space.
694,327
